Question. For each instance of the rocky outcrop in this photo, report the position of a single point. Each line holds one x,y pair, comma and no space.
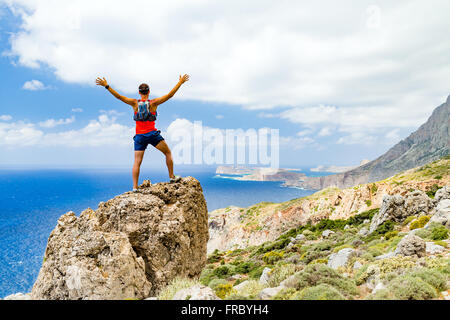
411,245
130,247
340,258
397,208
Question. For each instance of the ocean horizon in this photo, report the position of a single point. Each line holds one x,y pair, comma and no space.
33,199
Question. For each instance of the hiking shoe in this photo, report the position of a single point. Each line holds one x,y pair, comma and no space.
175,179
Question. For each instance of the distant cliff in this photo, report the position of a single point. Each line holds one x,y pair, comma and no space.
430,142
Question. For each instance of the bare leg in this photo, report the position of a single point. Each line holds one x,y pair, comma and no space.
138,156
164,148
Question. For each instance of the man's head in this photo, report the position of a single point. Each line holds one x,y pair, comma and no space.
144,89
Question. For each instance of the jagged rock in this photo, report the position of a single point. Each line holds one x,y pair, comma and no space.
363,232
241,285
327,233
357,265
417,202
18,296
398,208
130,247
411,245
340,258
268,293
433,248
264,279
442,194
300,237
346,227
197,292
442,214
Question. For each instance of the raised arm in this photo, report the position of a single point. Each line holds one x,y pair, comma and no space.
163,99
102,82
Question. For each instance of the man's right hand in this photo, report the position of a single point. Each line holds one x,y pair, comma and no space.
101,82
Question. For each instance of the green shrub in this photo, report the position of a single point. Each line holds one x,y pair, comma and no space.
272,257
284,294
206,276
280,273
223,290
316,274
215,282
215,256
432,277
407,287
441,243
382,294
419,223
423,233
433,190
391,234
174,286
320,292
439,233
224,271
256,273
246,267
368,203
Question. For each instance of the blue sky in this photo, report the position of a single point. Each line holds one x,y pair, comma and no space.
341,84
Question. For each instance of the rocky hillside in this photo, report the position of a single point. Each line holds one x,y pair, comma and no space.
385,240
430,142
234,228
130,247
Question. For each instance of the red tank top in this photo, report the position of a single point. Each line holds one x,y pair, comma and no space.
145,126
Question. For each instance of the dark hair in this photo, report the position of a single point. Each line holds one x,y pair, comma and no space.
144,88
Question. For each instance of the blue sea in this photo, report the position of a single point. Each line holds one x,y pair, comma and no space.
31,201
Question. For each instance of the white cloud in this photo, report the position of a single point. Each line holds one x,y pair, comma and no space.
368,59
219,116
77,110
34,85
51,123
103,131
5,117
325,131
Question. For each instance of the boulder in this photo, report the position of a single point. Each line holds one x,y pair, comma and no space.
327,233
397,208
442,214
442,194
340,258
268,293
411,245
197,292
241,285
357,265
264,279
433,248
363,232
130,247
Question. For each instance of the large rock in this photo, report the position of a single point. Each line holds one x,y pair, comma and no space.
398,208
442,194
411,245
442,214
197,292
340,258
130,247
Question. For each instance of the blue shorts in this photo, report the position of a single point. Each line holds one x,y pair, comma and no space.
141,141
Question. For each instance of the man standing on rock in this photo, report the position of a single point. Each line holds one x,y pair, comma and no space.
145,115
